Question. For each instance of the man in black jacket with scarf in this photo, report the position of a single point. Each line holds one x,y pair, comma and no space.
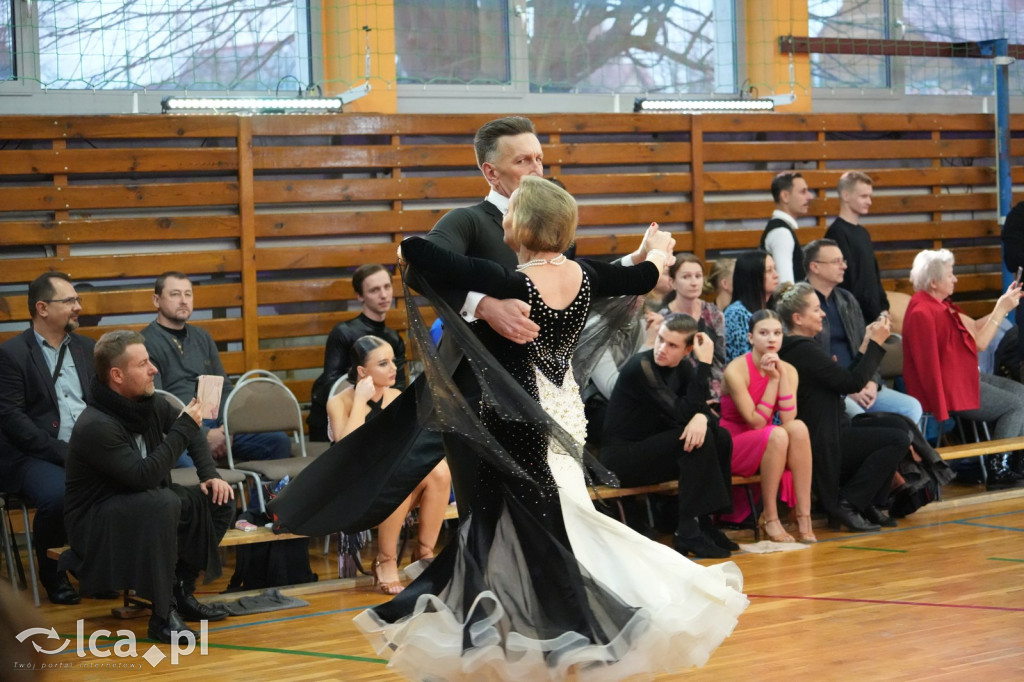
128,525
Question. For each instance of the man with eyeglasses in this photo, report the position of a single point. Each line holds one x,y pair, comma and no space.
45,377
862,277
843,331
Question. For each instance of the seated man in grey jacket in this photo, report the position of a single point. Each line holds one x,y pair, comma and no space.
182,352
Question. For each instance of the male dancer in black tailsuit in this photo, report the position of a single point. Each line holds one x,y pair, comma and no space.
506,150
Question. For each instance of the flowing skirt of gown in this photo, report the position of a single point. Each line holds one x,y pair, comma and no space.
489,614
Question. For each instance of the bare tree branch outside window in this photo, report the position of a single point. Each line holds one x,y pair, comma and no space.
171,44
628,46
932,20
848,19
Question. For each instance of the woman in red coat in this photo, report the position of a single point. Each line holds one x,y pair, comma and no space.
940,357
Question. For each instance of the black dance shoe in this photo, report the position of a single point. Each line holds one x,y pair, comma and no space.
190,608
160,629
847,515
1000,475
60,591
717,537
700,547
875,515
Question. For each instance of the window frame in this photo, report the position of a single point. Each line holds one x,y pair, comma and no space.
26,95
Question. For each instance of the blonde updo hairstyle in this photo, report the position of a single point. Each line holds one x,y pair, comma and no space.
544,216
791,299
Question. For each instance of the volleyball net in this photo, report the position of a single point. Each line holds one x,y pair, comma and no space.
631,47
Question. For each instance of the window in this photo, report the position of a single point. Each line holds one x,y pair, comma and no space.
452,42
962,20
946,21
7,40
858,19
172,44
571,46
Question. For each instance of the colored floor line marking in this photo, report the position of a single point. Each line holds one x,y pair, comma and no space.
885,602
296,652
938,524
285,618
874,549
104,642
233,627
999,558
988,525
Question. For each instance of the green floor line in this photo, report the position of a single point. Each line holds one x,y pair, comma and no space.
296,652
874,549
110,641
999,558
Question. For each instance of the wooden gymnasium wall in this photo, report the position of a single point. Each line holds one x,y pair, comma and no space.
270,214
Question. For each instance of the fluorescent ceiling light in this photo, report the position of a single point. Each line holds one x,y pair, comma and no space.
255,105
697,105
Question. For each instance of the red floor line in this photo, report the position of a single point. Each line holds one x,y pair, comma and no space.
887,602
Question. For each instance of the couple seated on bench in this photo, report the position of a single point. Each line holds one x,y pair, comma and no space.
128,525
658,426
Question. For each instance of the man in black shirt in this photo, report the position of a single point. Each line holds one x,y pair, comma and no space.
372,284
862,278
659,427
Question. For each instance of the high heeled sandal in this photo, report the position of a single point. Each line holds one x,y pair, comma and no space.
782,537
391,588
423,552
806,537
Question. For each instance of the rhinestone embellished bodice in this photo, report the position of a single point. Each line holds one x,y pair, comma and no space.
544,369
552,350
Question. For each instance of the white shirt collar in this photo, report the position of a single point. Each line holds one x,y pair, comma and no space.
499,200
782,215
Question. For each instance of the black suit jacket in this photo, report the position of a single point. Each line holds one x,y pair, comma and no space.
29,414
471,231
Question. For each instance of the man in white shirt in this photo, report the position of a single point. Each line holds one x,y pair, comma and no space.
792,200
507,149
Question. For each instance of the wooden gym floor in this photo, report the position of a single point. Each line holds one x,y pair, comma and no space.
939,598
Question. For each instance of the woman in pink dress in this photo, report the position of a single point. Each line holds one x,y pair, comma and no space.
758,385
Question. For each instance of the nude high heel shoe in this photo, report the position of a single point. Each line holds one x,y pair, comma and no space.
806,530
391,588
781,536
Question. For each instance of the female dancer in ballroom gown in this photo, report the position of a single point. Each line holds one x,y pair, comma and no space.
537,584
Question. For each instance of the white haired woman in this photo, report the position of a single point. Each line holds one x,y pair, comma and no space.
940,364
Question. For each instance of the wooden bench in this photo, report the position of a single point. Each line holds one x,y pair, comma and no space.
232,538
603,492
134,608
986,447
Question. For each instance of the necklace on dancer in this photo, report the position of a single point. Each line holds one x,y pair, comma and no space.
557,260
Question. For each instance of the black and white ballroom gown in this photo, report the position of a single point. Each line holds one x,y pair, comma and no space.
538,584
